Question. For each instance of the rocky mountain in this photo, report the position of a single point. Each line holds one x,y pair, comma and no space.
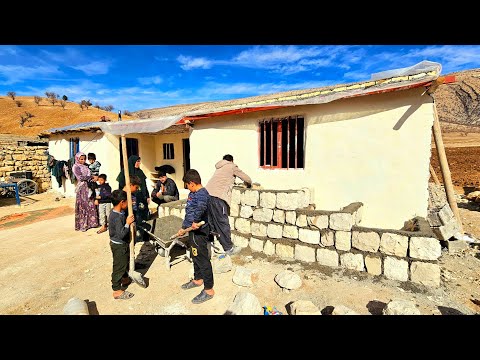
458,103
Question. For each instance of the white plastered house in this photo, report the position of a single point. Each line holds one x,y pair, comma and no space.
367,142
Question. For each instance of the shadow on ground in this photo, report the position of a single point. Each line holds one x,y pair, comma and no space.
444,310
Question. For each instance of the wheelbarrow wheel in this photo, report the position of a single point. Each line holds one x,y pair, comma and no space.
27,187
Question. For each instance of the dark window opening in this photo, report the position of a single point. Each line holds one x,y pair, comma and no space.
168,153
132,149
281,142
74,146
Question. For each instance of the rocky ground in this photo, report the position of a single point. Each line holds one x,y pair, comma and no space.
47,263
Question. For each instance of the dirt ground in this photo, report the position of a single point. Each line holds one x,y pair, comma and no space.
45,263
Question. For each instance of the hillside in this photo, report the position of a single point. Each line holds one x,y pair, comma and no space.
458,103
46,115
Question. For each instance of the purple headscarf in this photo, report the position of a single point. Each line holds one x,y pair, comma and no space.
80,169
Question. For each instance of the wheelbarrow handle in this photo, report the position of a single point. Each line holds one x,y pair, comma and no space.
186,230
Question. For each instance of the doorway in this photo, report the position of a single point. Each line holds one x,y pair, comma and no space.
186,155
132,149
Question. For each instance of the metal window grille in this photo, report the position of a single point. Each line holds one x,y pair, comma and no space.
282,143
168,152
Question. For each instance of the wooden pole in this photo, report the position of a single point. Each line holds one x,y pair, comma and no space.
434,175
129,198
447,179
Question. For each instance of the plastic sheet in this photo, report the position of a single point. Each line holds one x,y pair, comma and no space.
419,74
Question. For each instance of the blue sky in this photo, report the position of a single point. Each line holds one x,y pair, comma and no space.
136,77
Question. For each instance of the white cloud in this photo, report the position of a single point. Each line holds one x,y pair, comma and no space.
188,62
94,68
18,73
66,56
285,60
150,80
266,56
8,50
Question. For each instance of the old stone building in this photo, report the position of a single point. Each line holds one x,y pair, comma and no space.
21,153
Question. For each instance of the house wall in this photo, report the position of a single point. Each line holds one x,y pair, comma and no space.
103,145
177,162
372,149
106,148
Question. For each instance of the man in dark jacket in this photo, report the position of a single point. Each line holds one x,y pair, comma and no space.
165,190
220,189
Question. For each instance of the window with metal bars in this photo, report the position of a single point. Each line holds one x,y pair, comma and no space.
168,153
282,142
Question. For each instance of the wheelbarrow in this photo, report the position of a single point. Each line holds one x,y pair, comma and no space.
160,231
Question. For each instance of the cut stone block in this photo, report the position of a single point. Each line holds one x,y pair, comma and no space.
327,257
343,240
256,244
243,225
366,241
284,251
274,231
290,231
263,214
352,261
250,197
304,253
341,221
327,238
394,244
309,236
288,201
425,273
269,248
425,248
268,200
258,229
395,269
373,264
279,216
246,212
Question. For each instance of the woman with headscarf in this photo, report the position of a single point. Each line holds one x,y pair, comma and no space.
142,196
86,216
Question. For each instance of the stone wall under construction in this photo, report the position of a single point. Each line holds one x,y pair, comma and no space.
282,223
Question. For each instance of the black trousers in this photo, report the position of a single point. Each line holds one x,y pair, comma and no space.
202,267
218,218
121,257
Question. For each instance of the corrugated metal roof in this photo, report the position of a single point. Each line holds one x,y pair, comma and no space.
162,118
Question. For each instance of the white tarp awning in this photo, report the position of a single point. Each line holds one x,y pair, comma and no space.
139,126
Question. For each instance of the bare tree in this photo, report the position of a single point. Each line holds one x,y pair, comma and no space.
80,103
19,103
12,94
37,100
96,106
86,103
108,108
52,97
25,118
63,103
126,112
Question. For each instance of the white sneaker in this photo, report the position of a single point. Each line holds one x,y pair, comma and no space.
233,251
